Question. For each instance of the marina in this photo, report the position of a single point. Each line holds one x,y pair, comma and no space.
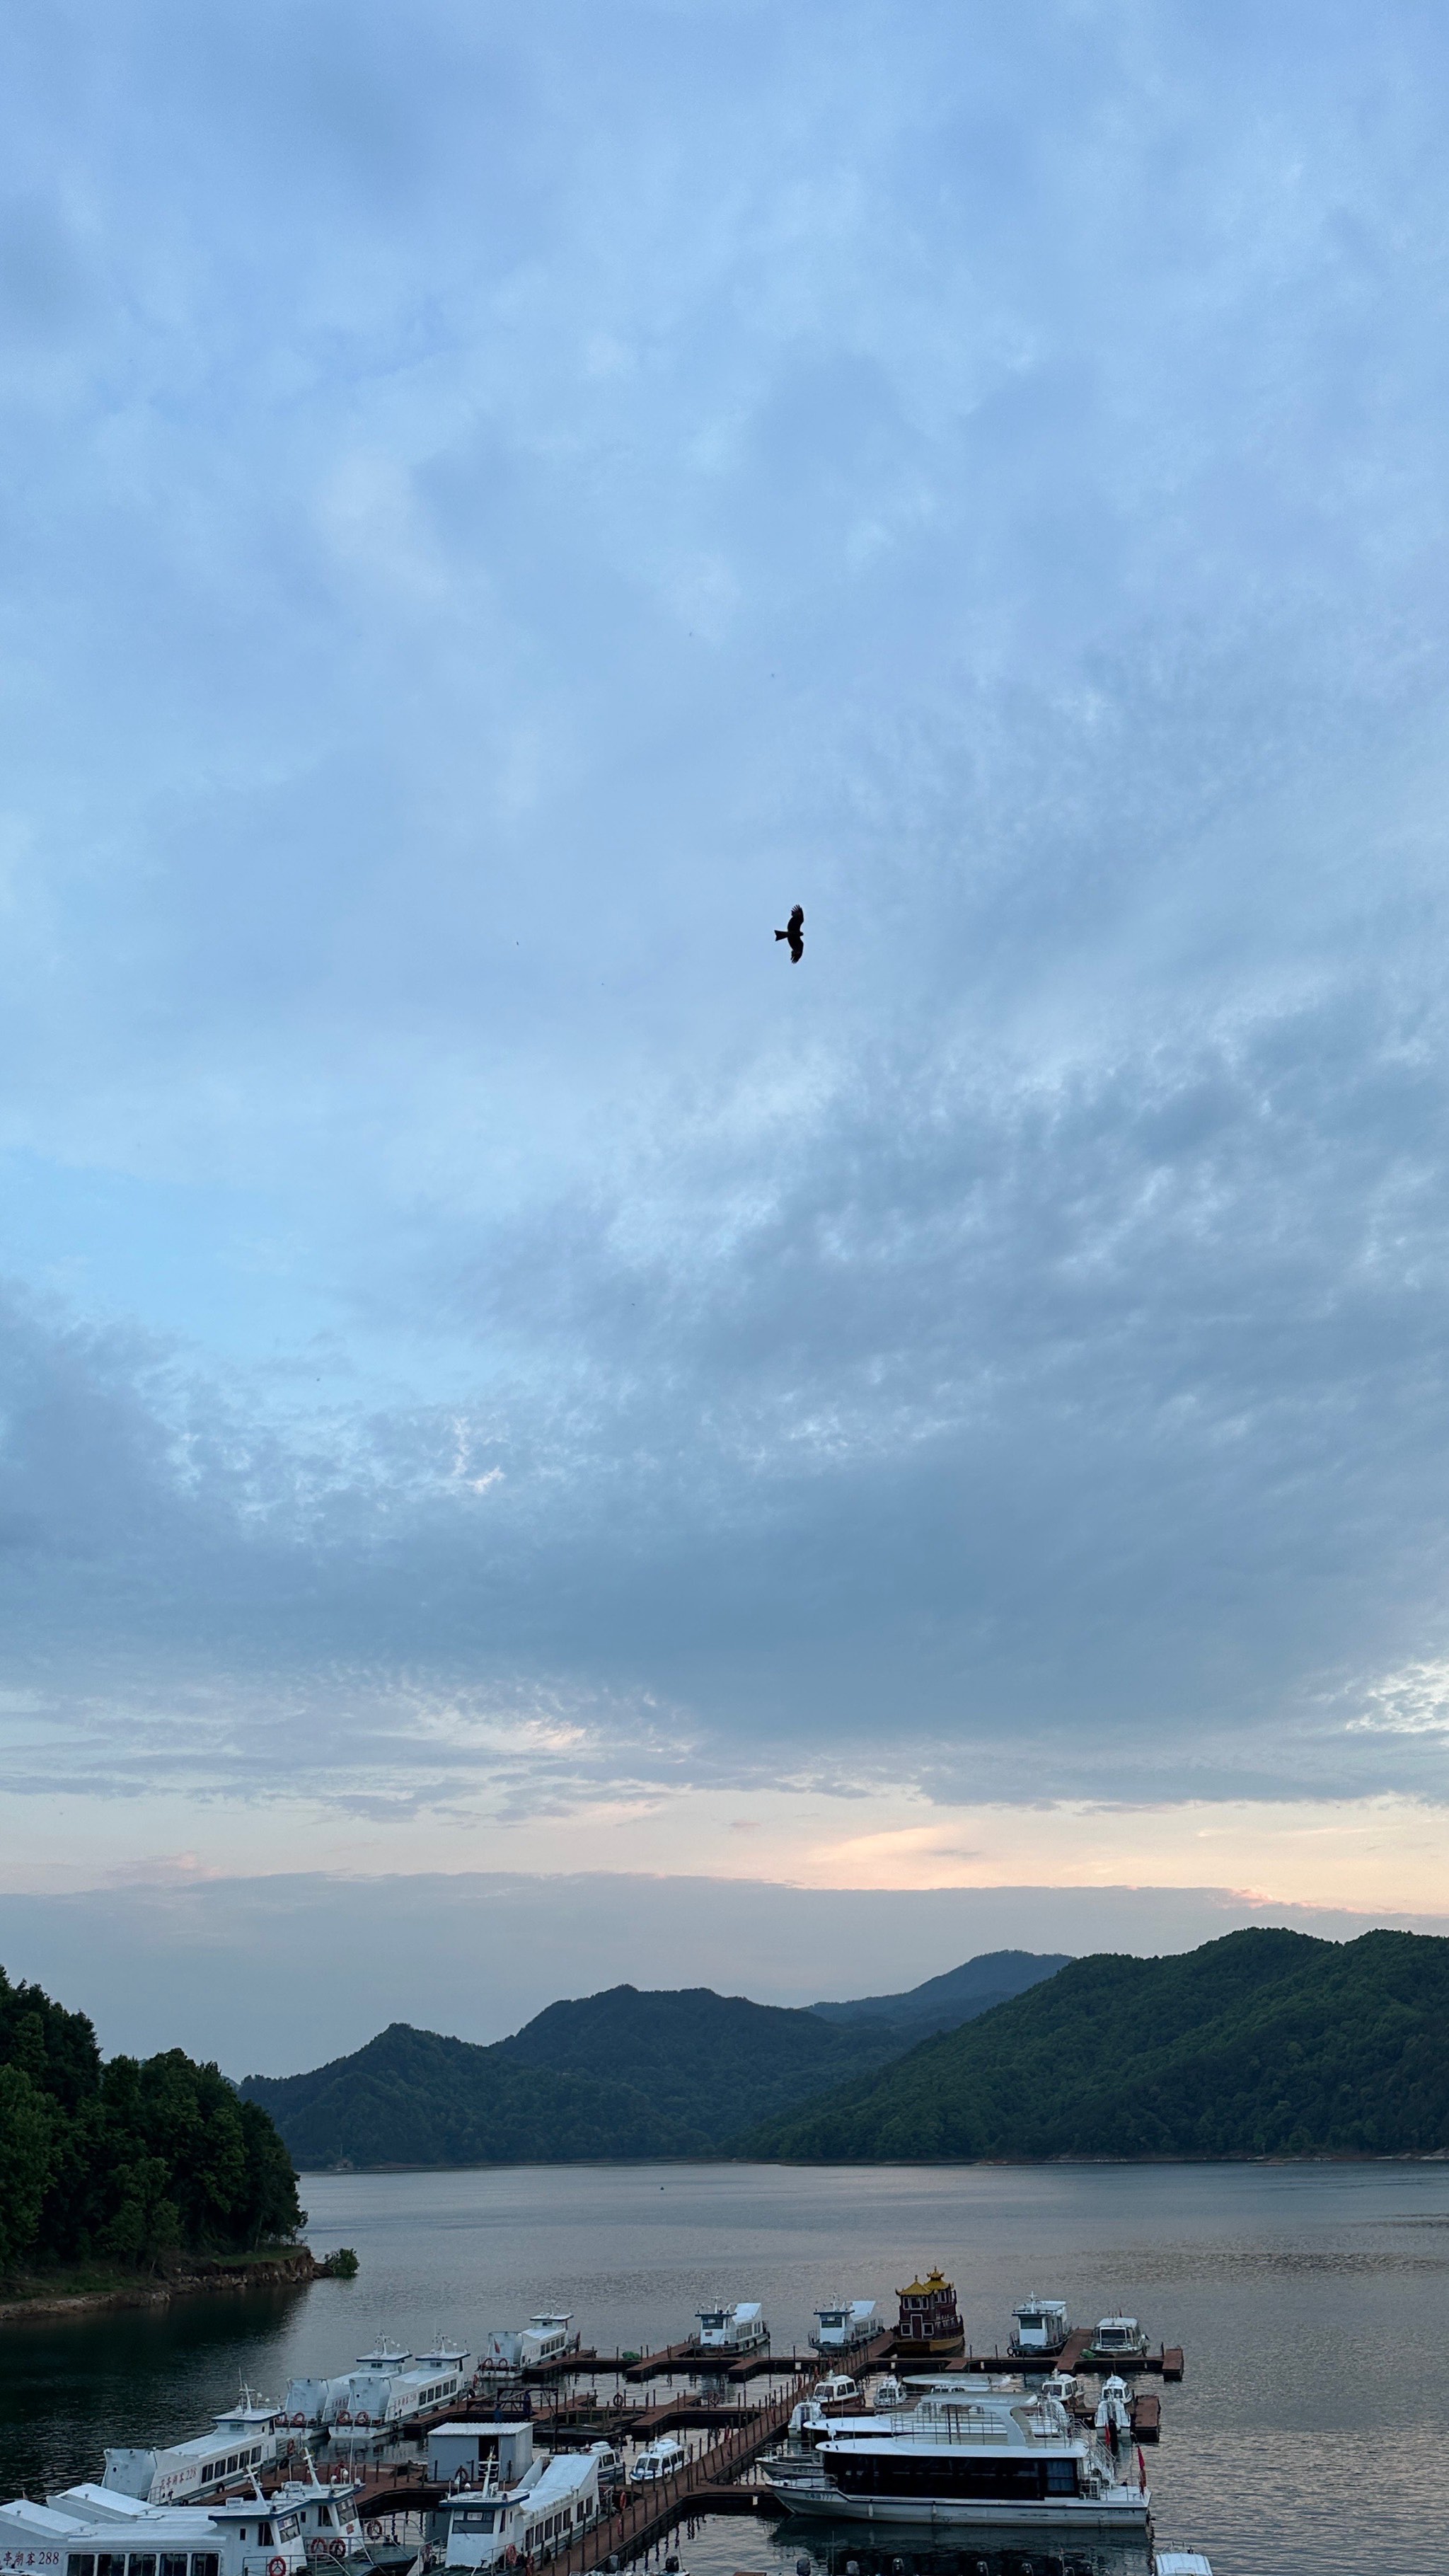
1290,2293
467,2471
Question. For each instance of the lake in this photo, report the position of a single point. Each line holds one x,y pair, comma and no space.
1312,2302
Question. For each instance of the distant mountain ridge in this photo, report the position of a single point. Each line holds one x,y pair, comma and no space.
1264,2043
617,2075
943,2003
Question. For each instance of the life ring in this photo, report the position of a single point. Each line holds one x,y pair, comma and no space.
510,2556
339,2548
374,2531
276,2567
361,2417
343,2415
299,2423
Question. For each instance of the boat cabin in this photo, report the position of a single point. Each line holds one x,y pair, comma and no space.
662,2458
842,2327
1040,2325
1121,2335
741,2328
471,2453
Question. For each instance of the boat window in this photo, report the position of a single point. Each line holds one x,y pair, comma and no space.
205,2562
264,2534
287,2529
110,2566
81,2566
144,2566
174,2565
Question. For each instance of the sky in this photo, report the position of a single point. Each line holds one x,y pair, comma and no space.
505,1379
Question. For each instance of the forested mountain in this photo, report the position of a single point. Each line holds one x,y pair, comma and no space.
618,2074
129,2160
943,2003
1262,2043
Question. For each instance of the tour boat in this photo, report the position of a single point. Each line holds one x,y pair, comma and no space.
967,2456
243,2437
848,2323
490,2525
739,2329
928,2318
546,2337
1040,2325
90,2530
383,2391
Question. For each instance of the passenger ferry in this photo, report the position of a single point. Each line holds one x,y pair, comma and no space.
736,2330
546,2337
244,2437
1040,2325
384,2391
92,2530
928,2318
960,2459
848,2323
490,2526
326,2516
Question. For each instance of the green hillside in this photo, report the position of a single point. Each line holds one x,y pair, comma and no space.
1265,2043
619,2074
127,2161
944,2002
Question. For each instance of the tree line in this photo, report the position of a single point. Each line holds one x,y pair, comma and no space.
126,2161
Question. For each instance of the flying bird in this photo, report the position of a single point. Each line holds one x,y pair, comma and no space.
795,934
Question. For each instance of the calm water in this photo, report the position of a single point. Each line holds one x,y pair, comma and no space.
1308,2439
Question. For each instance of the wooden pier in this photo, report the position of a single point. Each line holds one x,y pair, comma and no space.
704,2485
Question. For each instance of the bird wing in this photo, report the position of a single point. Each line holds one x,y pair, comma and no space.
797,949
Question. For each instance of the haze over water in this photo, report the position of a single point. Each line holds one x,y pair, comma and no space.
1308,2434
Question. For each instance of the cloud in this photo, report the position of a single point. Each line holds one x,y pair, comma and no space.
506,512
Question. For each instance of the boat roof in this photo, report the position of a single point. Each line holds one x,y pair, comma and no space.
1104,2322
935,2280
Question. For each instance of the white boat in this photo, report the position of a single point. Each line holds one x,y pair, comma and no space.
546,2337
1119,2339
662,2458
1040,2325
326,2514
1064,2386
1114,2410
840,2391
1181,2562
242,2438
889,2393
966,2457
388,2388
848,2323
738,2329
91,2530
488,2526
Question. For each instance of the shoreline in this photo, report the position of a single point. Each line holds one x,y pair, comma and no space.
295,2268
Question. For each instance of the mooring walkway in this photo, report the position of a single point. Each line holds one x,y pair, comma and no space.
703,2485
